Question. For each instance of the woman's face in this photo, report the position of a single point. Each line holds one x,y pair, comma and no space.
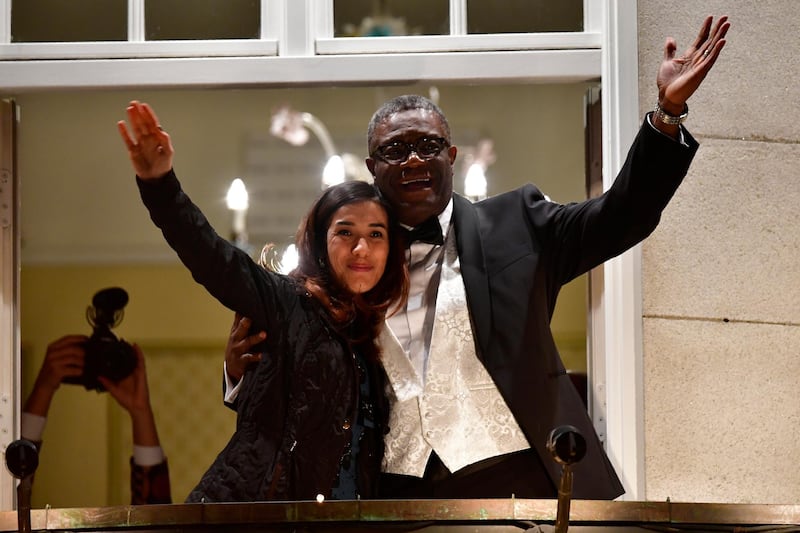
358,245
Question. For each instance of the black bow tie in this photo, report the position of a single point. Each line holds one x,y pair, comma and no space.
429,231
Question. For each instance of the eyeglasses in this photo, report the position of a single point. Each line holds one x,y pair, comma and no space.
398,152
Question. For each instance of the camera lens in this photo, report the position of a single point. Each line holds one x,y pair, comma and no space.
106,355
109,357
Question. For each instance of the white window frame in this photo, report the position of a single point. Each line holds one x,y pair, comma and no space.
296,48
617,337
9,303
458,38
136,46
300,34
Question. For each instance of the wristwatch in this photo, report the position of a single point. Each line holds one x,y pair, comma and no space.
666,118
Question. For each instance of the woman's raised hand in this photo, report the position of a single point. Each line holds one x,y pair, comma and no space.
149,146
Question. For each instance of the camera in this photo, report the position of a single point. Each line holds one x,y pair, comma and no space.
106,355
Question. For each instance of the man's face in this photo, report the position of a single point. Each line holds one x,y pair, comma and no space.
417,188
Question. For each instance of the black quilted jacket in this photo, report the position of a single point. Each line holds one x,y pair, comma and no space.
297,407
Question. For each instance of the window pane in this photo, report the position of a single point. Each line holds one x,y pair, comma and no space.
378,18
35,21
202,19
524,16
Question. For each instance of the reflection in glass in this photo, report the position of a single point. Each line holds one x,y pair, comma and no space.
381,18
36,21
202,19
524,16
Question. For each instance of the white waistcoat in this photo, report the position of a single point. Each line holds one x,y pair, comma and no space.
456,410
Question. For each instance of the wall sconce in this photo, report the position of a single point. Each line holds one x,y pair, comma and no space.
475,184
333,172
294,127
238,202
289,259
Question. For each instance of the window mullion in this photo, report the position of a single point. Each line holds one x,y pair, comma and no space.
458,17
136,31
622,290
324,23
272,13
297,37
5,21
592,16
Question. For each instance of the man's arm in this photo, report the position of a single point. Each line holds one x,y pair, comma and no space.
238,354
150,484
149,472
238,357
64,358
588,233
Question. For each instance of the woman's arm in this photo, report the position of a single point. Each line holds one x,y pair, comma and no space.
227,272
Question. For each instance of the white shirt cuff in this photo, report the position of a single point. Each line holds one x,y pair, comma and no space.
147,455
32,426
231,389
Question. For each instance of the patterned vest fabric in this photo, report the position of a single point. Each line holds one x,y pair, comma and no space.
456,410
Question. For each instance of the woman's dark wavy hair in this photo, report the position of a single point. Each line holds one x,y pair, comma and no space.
359,317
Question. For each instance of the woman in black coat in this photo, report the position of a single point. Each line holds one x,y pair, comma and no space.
311,416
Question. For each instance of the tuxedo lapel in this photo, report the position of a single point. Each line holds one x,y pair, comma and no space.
473,269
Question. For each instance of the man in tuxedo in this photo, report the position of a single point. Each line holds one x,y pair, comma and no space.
452,433
476,380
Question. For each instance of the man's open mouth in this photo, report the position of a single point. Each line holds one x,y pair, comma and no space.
416,183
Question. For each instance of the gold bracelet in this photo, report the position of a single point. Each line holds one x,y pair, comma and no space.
666,118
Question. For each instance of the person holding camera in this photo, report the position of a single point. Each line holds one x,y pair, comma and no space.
64,362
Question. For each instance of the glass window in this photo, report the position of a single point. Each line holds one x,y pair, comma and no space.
202,19
380,18
524,16
69,20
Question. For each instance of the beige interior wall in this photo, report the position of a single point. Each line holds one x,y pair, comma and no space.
721,285
79,204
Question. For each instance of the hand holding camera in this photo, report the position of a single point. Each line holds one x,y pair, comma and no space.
105,354
85,360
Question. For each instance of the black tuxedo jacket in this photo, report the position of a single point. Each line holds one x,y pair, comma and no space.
516,251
